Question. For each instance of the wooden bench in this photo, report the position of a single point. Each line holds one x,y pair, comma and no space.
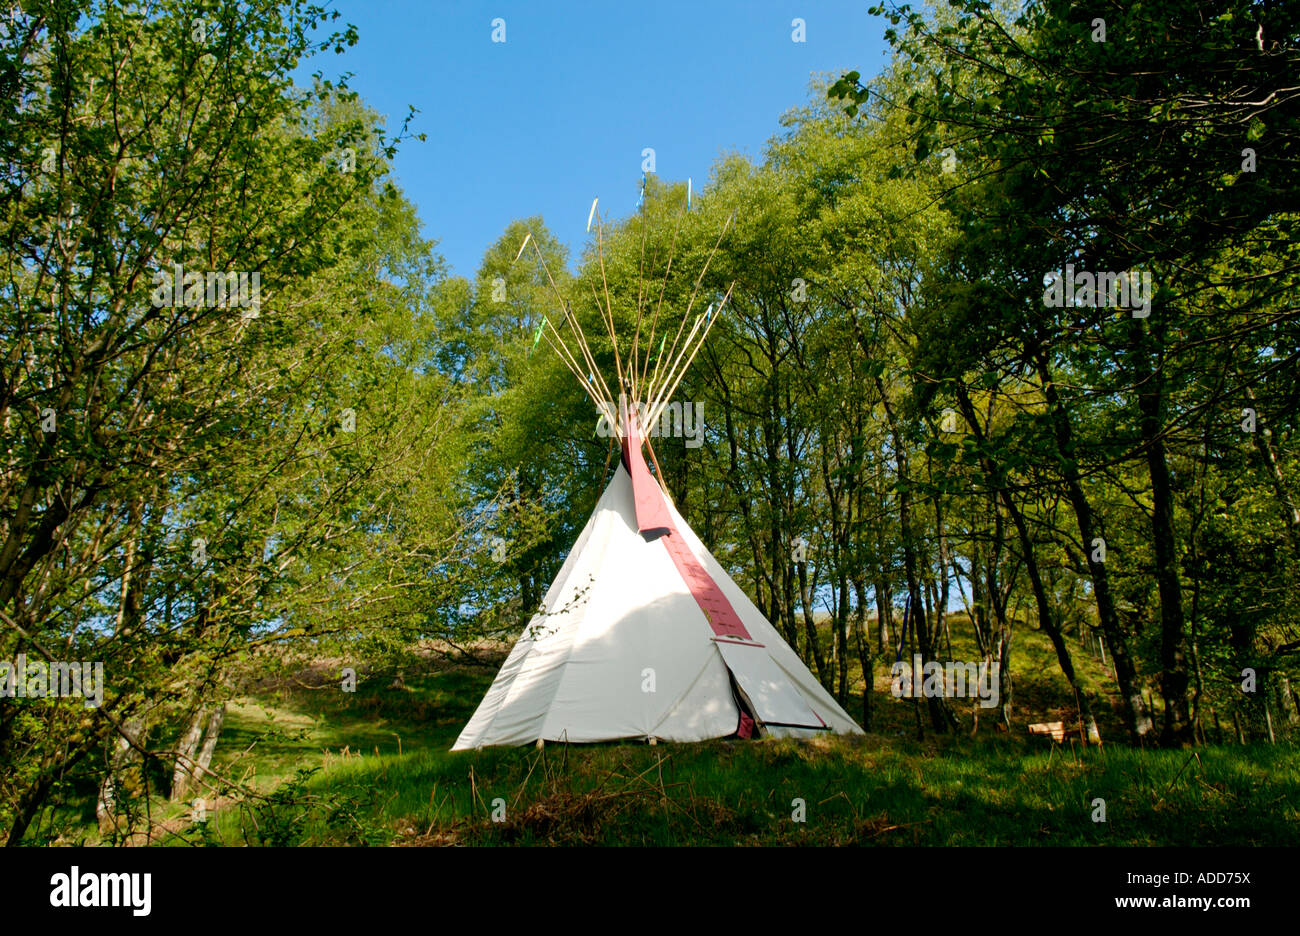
1054,730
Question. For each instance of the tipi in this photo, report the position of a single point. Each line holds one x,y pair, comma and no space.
643,635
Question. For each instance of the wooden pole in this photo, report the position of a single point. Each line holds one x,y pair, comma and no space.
609,453
613,338
662,400
663,288
659,472
653,391
694,293
640,291
572,320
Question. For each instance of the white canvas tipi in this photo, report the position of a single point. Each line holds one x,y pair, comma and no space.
643,635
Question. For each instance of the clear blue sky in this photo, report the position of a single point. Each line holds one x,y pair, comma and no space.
559,113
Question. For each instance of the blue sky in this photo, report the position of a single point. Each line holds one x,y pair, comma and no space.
559,113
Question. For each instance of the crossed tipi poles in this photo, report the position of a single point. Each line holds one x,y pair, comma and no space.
643,392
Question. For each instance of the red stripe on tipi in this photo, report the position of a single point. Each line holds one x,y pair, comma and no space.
652,514
651,511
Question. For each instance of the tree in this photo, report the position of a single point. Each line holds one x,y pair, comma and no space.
213,399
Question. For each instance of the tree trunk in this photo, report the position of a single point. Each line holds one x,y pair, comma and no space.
861,639
1174,678
944,575
1290,512
810,626
1136,714
884,594
884,611
186,748
1046,620
941,715
998,604
108,805
1285,702
211,736
978,598
1087,721
842,639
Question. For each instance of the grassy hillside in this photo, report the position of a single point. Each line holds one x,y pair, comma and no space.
373,767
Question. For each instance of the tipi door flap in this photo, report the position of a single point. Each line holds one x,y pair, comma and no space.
775,699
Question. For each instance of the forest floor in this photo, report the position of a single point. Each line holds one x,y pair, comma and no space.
373,767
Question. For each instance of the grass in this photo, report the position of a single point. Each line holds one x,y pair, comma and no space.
982,791
373,767
996,788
